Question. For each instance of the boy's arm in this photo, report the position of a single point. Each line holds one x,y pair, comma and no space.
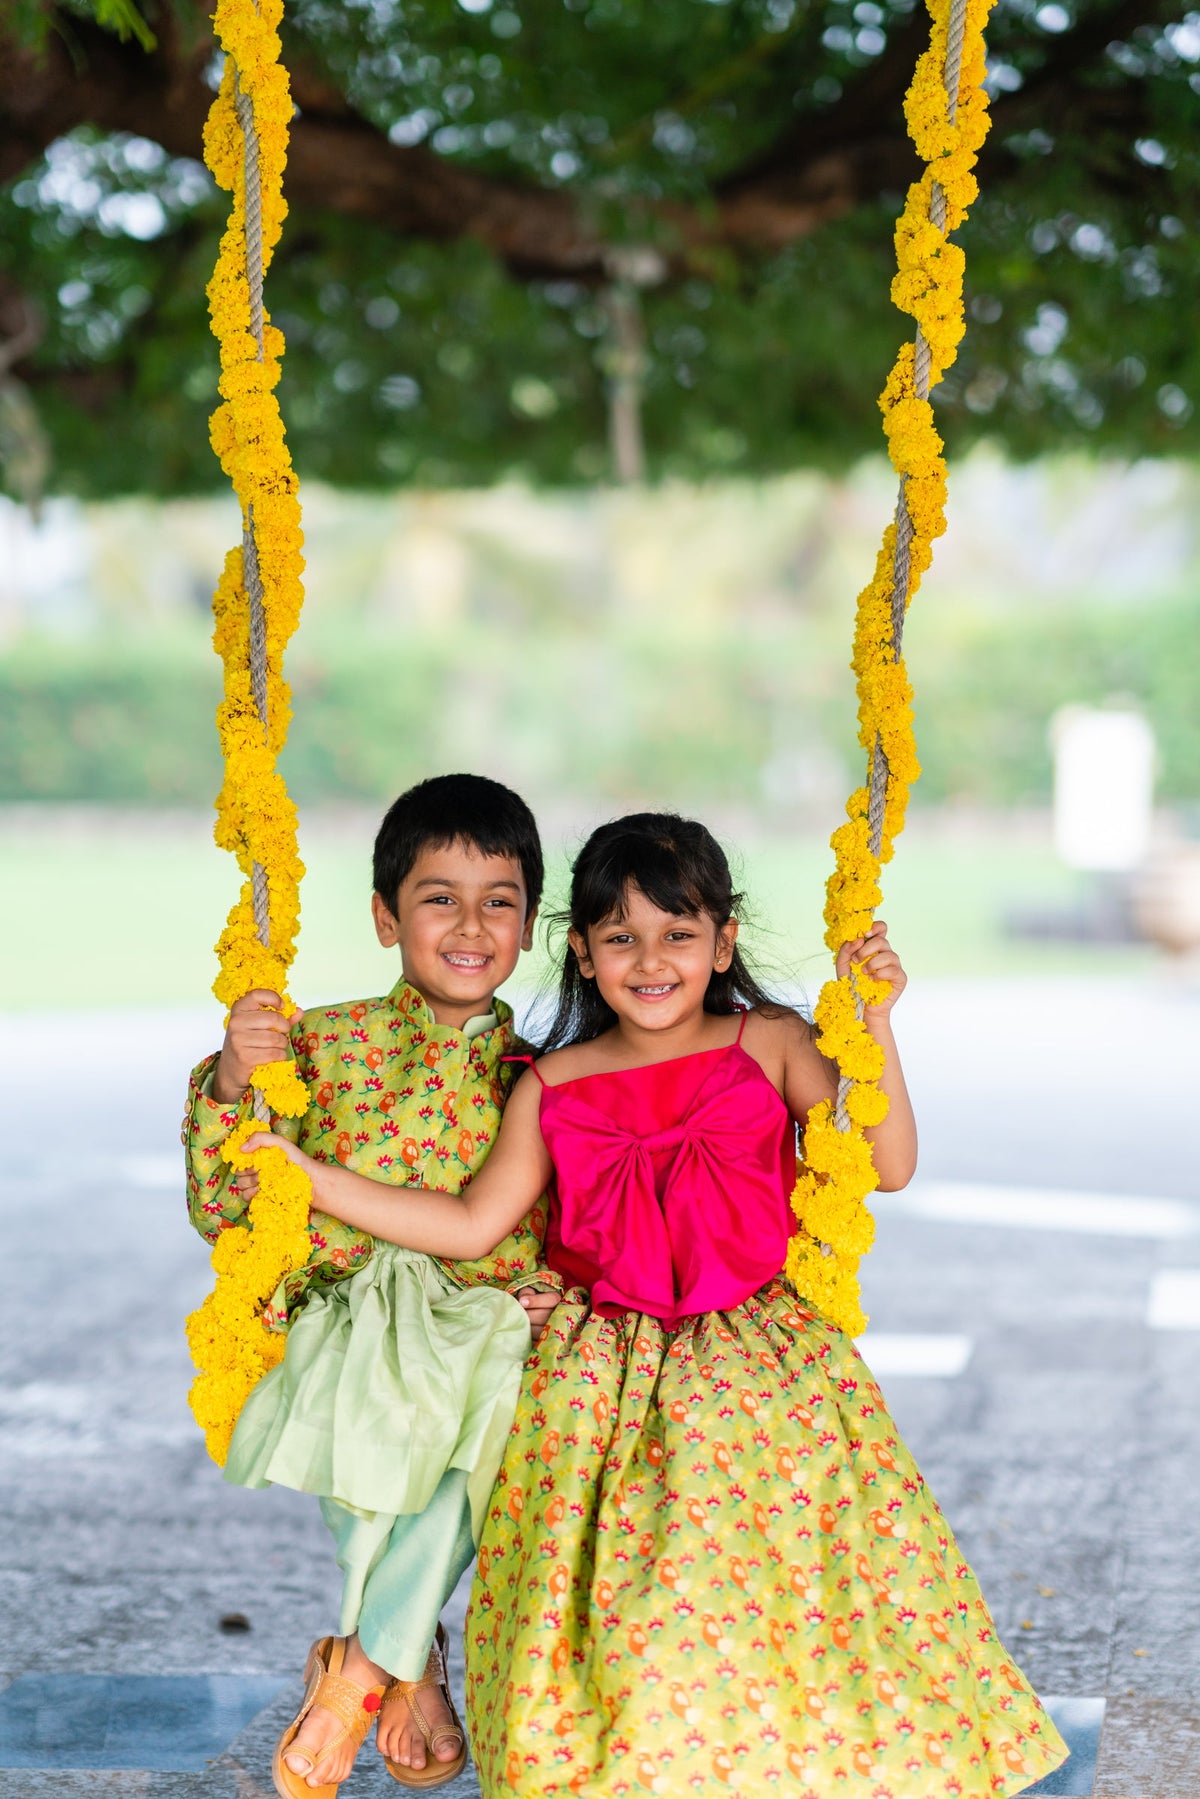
460,1226
212,1191
216,1102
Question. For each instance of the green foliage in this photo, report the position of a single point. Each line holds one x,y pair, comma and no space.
123,18
645,711
427,363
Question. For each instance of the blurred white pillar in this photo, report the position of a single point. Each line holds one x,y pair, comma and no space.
1103,787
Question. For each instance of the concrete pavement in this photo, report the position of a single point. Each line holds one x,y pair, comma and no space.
1040,1352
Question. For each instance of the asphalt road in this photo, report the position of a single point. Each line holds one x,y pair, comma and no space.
1035,1302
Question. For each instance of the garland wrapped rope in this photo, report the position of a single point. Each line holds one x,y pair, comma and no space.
947,113
256,608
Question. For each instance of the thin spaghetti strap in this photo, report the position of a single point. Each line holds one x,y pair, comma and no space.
742,1025
528,1061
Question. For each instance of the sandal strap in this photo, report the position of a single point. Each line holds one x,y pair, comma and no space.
348,1701
435,1675
433,1737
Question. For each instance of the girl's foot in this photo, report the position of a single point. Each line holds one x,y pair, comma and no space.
321,1726
399,1734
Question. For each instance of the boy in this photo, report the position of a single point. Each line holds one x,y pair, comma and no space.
407,1088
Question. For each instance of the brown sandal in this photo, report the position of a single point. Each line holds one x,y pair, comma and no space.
324,1685
434,1773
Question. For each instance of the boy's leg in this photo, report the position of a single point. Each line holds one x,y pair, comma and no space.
400,1571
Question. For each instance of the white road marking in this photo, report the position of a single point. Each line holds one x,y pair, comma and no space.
904,1352
1044,1209
1174,1303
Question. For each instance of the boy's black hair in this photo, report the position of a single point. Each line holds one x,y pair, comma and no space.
467,809
681,868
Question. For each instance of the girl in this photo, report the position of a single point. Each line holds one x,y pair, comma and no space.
710,1563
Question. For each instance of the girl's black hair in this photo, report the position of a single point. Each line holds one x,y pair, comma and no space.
681,868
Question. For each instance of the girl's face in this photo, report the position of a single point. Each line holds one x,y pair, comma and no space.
653,967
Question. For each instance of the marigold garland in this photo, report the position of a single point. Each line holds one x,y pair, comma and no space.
837,1173
255,818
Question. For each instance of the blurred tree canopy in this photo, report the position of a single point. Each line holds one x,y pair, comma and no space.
503,210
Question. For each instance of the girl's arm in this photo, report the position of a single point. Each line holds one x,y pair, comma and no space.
460,1226
807,1077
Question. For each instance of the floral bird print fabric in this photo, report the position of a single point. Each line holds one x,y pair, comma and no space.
711,1565
395,1096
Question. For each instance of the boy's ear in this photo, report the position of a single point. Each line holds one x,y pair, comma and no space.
579,944
387,925
726,944
527,933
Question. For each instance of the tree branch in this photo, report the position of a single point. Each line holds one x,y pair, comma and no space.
820,169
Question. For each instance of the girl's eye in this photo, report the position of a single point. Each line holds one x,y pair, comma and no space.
498,902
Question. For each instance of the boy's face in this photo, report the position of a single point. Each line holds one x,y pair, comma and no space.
461,923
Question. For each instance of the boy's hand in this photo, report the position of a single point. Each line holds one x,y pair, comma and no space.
538,1308
876,957
257,1032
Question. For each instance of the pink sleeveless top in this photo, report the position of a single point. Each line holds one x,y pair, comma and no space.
672,1183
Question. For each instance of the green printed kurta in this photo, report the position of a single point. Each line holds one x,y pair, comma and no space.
399,1367
395,1096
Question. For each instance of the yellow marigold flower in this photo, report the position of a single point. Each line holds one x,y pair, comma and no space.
829,1200
255,818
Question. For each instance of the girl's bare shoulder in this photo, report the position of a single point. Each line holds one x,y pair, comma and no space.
778,1029
562,1065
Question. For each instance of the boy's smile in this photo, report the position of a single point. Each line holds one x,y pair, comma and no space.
461,923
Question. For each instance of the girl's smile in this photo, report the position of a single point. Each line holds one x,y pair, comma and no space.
653,967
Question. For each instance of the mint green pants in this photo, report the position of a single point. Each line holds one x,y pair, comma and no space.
399,1571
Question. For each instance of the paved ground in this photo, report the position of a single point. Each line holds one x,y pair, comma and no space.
1041,1353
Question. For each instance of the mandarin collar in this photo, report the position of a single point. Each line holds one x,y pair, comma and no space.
408,1000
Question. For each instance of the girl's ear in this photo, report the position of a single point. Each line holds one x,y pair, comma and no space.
726,943
527,933
578,943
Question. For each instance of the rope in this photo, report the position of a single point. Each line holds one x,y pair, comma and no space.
251,574
878,778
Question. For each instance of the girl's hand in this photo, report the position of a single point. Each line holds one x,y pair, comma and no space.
876,957
246,1181
269,1140
247,1178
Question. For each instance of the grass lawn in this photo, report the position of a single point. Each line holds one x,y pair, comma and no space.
112,909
